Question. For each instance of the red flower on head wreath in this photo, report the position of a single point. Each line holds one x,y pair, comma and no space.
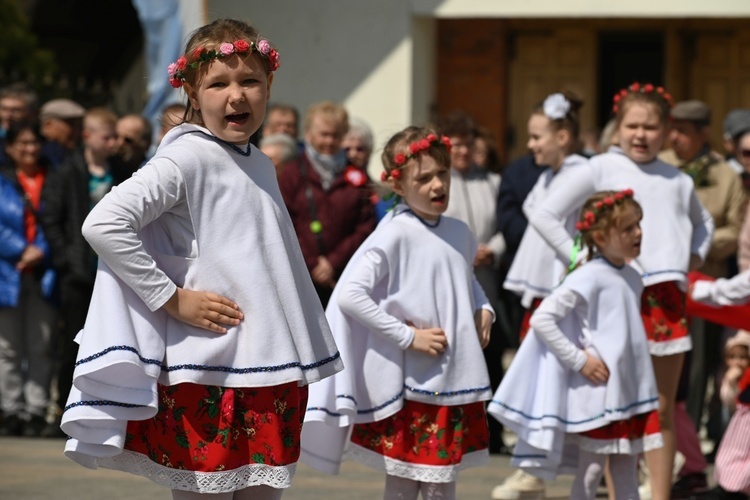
588,219
636,87
415,149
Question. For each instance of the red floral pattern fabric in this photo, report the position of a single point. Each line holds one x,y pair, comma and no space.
663,312
210,428
635,428
427,434
525,322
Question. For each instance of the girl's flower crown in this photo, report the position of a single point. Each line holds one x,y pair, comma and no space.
588,219
176,70
415,149
643,89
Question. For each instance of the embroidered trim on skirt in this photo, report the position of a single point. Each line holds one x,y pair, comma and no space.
203,436
663,313
636,434
424,442
526,321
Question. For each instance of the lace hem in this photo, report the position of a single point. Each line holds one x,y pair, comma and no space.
619,446
415,472
669,347
201,482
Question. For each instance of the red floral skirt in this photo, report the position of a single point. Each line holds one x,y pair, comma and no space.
525,322
637,434
427,434
663,313
208,428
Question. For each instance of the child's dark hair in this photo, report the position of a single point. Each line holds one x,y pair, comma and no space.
570,121
211,36
646,93
410,143
602,212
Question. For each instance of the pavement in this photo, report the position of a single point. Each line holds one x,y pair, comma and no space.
32,469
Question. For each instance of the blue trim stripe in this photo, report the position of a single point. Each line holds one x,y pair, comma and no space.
677,271
561,420
211,368
447,393
101,403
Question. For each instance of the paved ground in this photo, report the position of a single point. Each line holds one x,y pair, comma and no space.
32,469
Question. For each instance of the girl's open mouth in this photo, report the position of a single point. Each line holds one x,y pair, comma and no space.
439,199
238,118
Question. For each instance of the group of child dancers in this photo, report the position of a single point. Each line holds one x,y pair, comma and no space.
205,331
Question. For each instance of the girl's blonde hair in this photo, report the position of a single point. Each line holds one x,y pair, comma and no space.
601,212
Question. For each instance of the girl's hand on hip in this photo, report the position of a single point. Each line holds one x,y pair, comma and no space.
430,341
595,370
483,321
203,309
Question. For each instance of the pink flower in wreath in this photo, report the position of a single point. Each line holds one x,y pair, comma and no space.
172,69
264,47
226,48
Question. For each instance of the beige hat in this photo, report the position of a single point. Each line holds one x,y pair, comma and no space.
741,338
64,109
694,111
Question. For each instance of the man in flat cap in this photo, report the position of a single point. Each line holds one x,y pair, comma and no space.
719,189
61,124
736,124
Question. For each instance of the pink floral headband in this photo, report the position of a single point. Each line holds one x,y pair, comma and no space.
176,70
588,219
415,149
643,89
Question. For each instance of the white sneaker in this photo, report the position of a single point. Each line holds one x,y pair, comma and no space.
519,486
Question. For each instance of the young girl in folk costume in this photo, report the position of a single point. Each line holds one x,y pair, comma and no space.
677,233
536,269
593,385
204,329
553,140
411,321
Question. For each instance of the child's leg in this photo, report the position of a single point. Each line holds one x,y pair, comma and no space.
667,370
625,476
399,488
191,495
589,475
263,492
438,491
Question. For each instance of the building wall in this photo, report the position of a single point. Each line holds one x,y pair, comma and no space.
380,59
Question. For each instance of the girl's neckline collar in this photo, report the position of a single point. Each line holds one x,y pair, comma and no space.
600,256
237,149
431,224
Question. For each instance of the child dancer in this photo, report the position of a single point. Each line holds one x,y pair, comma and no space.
553,139
204,328
677,235
593,385
412,321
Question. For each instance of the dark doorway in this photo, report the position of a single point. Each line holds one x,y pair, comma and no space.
624,58
94,46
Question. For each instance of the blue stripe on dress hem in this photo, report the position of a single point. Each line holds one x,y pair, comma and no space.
638,403
209,368
101,403
677,271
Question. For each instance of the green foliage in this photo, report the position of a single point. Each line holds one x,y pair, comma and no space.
20,54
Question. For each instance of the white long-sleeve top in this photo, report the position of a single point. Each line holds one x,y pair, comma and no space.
537,268
203,217
675,224
723,292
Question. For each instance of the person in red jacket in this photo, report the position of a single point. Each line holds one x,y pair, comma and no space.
329,200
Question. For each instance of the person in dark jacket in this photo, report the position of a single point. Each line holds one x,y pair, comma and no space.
329,200
28,314
80,182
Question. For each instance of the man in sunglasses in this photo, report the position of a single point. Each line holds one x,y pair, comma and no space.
133,140
719,189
